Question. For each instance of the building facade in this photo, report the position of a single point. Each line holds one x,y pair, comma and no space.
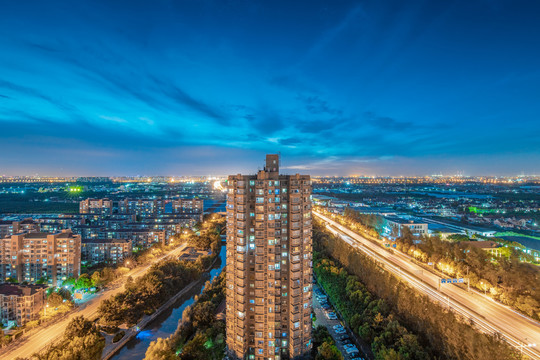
95,251
141,207
21,303
31,256
8,228
140,238
188,206
96,206
396,224
269,264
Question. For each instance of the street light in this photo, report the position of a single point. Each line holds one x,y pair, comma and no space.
484,286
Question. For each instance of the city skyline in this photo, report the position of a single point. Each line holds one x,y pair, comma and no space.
343,88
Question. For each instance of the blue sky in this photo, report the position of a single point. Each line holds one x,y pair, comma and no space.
209,87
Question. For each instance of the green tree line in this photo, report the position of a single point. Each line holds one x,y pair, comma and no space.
148,292
395,311
369,317
505,278
81,340
200,335
324,346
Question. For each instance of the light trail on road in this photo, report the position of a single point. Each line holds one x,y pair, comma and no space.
52,333
488,315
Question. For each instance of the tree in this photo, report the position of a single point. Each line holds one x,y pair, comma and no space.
160,350
83,282
96,278
42,280
203,314
88,347
55,299
64,293
79,327
194,350
328,351
69,282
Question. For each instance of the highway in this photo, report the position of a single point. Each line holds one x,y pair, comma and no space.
48,335
487,315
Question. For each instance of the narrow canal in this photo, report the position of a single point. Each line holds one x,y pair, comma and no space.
165,324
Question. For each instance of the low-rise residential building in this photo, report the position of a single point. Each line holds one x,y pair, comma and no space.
21,303
141,207
62,221
94,251
188,206
88,231
31,256
8,228
96,206
140,238
51,227
29,225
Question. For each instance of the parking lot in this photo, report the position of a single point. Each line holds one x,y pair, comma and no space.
326,316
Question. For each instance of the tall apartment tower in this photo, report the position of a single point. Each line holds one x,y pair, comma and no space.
269,264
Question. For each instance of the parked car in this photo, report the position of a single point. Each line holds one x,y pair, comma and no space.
331,316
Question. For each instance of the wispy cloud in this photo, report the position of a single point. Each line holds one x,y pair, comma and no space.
353,86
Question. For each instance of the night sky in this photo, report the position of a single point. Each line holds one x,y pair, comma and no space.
208,87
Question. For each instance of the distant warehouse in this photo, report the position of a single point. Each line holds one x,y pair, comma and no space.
397,224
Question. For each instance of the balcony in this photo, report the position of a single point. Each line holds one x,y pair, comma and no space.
260,276
240,257
240,224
